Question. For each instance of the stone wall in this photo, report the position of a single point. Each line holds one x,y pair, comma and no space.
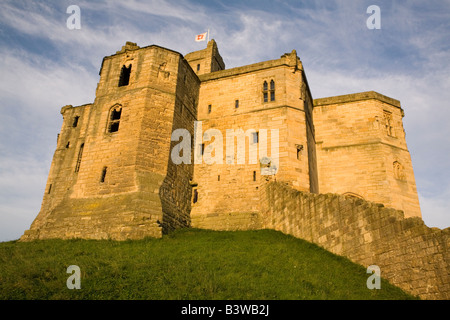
410,254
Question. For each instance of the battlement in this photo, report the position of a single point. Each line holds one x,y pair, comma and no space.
356,97
288,59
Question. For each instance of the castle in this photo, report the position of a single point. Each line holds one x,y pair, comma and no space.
175,141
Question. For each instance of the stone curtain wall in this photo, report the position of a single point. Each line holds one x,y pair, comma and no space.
409,254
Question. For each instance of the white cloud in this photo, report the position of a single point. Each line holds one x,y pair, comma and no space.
22,183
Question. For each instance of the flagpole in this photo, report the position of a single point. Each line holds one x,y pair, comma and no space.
208,35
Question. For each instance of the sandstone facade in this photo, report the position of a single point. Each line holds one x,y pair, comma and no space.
258,145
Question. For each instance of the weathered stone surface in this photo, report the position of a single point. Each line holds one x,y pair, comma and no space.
409,254
362,151
342,176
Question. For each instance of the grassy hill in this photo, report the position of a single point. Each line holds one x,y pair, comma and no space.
187,264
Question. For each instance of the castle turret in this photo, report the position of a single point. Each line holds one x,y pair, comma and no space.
362,151
206,60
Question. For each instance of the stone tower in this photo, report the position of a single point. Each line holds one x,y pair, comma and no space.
362,151
111,174
254,106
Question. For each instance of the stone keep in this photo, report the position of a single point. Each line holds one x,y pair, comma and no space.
112,176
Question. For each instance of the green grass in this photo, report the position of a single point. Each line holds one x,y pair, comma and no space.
187,264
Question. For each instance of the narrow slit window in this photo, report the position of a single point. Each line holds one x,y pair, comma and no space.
209,108
49,188
299,151
68,145
218,177
202,149
75,121
124,79
80,154
198,67
236,104
195,196
103,176
254,175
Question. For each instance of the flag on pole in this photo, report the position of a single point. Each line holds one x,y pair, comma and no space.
201,37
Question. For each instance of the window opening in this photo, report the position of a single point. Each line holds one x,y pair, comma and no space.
102,178
114,119
124,79
80,154
195,197
75,121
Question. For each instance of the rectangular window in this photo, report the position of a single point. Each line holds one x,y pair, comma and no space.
255,137
236,104
124,78
198,67
209,108
75,121
114,119
254,175
268,92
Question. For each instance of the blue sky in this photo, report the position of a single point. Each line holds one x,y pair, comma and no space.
45,66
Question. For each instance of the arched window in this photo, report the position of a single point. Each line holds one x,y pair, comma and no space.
265,92
114,118
272,90
124,79
269,93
